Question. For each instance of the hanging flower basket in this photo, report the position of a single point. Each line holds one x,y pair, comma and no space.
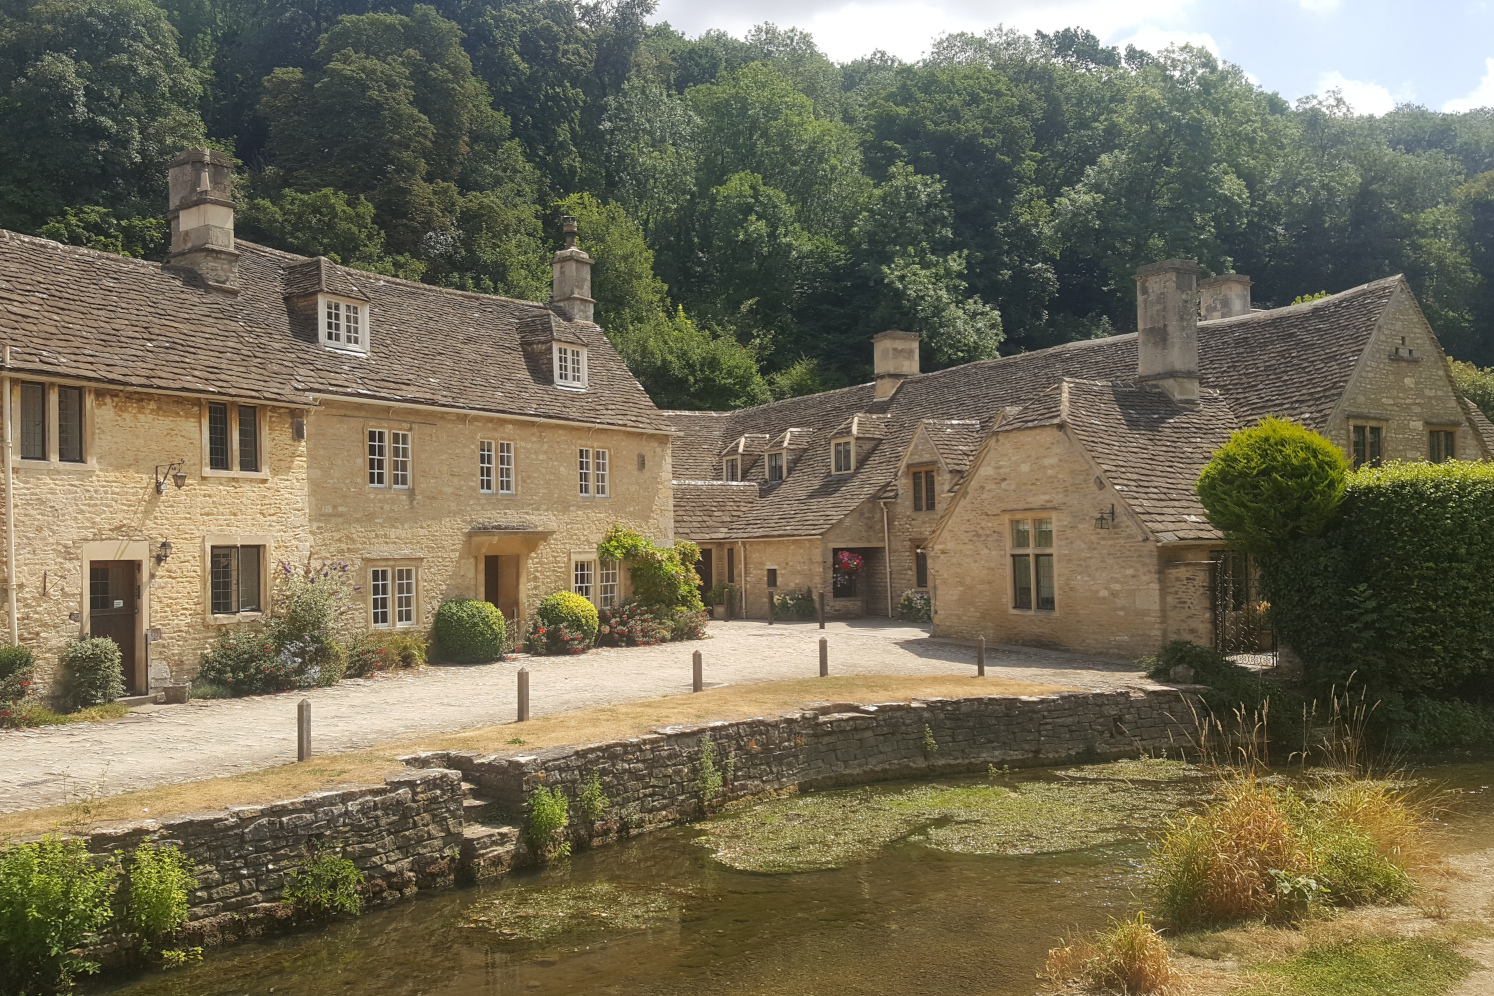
848,562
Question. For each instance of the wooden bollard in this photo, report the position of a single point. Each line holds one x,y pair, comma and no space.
303,730
523,694
698,679
824,658
770,608
822,609
980,659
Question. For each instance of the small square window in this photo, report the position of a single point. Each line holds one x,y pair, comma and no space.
344,324
844,462
570,365
234,573
733,469
775,465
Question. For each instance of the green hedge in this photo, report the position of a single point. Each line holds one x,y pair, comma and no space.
468,631
1400,587
572,611
91,672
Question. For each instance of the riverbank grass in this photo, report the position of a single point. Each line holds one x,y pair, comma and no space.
1369,966
1130,958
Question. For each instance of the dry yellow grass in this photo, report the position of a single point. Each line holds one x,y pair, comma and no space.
628,719
1130,959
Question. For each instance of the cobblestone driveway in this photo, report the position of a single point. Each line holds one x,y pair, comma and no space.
164,744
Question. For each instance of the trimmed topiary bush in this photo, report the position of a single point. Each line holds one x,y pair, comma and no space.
576,614
91,672
468,631
1273,484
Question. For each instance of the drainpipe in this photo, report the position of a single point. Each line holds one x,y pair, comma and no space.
742,578
887,557
10,511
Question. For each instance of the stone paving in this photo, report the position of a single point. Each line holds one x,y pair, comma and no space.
158,745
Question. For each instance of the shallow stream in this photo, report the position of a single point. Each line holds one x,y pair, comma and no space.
954,887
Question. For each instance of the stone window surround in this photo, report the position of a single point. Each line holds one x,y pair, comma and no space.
732,469
780,466
850,443
89,461
1007,518
572,384
393,562
266,574
387,427
365,327
261,426
1368,422
916,500
497,467
1432,425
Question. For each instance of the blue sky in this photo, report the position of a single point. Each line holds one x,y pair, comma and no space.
1439,53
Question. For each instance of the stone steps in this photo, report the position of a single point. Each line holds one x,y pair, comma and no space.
489,843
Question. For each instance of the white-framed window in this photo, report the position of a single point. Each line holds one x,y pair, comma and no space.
1032,564
485,466
599,461
378,457
583,472
399,459
844,461
379,595
570,365
505,468
775,465
733,469
607,584
404,596
583,578
344,323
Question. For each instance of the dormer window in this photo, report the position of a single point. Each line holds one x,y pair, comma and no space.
733,469
775,465
344,323
570,365
844,459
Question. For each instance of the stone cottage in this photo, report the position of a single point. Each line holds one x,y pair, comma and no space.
175,432
1046,498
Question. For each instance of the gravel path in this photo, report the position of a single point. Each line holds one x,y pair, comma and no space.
158,745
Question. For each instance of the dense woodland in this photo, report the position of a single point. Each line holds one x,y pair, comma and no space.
757,211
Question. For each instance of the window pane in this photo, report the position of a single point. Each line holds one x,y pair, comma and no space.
399,459
248,438
1361,446
485,466
601,473
224,571
609,575
33,421
376,457
731,565
928,491
1043,563
920,569
918,491
583,470
98,587
354,322
733,471
1375,434
378,589
218,436
582,578
70,424
250,558
1021,581
1021,534
404,596
334,321
506,468
1044,530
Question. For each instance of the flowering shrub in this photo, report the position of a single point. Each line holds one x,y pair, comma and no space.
570,610
847,561
630,625
246,662
661,576
794,605
368,654
564,640
537,639
915,606
688,624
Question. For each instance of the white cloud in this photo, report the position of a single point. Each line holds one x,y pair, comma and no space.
1154,39
1482,95
1364,97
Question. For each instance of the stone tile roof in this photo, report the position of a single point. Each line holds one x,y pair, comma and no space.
71,312
697,449
1150,449
1292,361
955,440
1482,427
705,510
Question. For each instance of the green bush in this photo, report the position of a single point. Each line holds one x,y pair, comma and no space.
469,631
687,624
570,610
592,802
14,659
915,606
160,879
1273,484
1398,587
246,662
549,816
327,884
53,896
1230,689
91,672
368,653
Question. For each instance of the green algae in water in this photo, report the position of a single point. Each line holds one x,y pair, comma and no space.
540,913
1096,806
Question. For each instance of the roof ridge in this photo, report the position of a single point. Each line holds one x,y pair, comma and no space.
11,235
1305,306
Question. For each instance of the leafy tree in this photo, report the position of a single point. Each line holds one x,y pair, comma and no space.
1475,384
100,228
327,223
651,151
95,98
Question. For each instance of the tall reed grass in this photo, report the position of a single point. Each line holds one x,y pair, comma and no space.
1130,958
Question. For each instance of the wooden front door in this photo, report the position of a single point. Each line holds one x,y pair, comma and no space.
114,610
501,583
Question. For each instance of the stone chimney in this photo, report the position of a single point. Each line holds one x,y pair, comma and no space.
1224,296
201,216
1167,327
571,284
895,358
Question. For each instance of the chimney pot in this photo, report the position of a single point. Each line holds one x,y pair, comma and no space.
570,286
201,216
894,358
1167,327
1224,296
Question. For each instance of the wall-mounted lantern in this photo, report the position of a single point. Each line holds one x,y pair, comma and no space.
1105,520
163,552
174,473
